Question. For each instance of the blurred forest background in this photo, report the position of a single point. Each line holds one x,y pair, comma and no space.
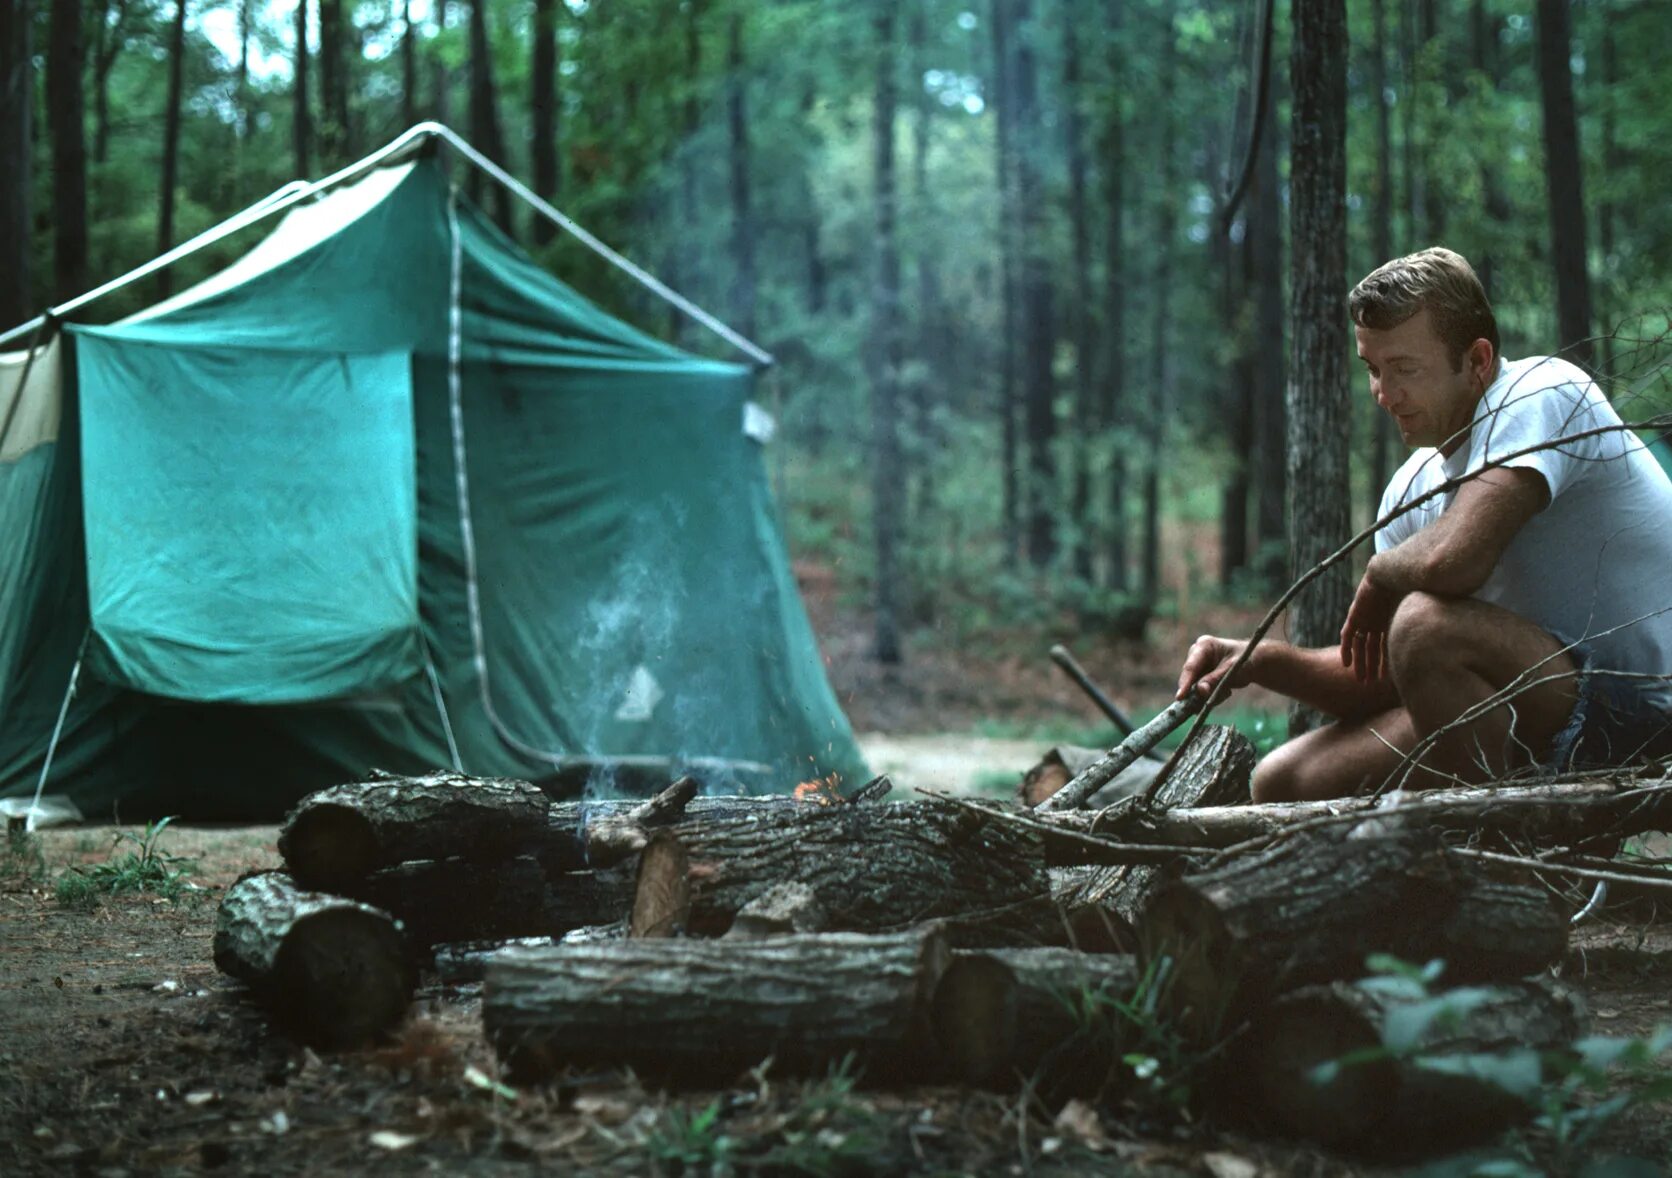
1056,287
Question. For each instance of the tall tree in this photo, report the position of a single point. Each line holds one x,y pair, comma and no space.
301,121
17,91
1562,169
1381,439
1160,352
1002,104
885,346
409,66
171,140
1318,396
1265,260
542,106
110,36
689,202
743,217
69,150
484,113
336,33
1034,293
1112,149
441,76
1079,219
246,30
928,324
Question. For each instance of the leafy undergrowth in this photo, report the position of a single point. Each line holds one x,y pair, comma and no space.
145,868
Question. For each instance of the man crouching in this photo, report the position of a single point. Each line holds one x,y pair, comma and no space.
1523,618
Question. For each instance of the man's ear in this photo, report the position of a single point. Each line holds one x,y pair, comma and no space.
1480,359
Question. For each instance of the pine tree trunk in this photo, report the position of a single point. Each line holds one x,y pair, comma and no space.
441,78
928,318
484,113
818,273
1113,402
743,217
330,81
887,475
301,121
1160,358
409,67
107,44
69,151
1382,228
171,142
1607,308
1318,407
1038,334
543,110
689,265
1231,260
17,92
1005,171
1265,257
1563,169
1085,360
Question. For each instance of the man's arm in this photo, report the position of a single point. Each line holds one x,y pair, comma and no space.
1316,678
1451,557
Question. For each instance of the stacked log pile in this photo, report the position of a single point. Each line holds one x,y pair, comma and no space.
941,939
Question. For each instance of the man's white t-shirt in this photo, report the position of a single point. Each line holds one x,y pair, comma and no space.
1595,566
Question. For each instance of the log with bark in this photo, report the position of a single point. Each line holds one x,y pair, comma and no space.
1063,1012
871,868
1555,813
338,836
703,1011
1313,907
465,900
1106,768
335,972
1382,1067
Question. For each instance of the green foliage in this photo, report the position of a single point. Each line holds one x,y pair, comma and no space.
146,868
24,863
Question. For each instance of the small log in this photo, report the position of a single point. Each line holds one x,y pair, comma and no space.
340,835
1109,766
1558,813
463,900
702,1011
661,890
335,972
1063,1010
580,836
1499,928
1215,770
871,868
462,962
1412,1091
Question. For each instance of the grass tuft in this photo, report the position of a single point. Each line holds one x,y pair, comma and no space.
146,868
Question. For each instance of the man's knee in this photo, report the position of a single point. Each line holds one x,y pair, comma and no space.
1423,632
1277,778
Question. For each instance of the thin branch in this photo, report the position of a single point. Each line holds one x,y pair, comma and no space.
1566,868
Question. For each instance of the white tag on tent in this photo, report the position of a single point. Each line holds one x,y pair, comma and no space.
758,423
643,694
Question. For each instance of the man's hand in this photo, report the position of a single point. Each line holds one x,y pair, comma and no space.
1208,662
1364,635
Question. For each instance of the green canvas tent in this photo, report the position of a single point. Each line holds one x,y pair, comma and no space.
385,494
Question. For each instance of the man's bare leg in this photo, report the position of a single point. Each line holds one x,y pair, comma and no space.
1446,655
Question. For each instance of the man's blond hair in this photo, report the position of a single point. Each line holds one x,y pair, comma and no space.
1438,279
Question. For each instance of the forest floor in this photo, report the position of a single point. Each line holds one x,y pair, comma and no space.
123,1051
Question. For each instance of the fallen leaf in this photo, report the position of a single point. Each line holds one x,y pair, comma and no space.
1079,1121
607,1108
390,1140
477,1078
167,986
201,1098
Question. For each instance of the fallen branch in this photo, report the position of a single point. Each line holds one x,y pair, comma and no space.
1109,766
1644,880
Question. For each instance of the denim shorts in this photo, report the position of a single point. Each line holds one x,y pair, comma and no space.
1618,720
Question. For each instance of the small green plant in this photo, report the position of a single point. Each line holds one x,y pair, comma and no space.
696,1140
144,869
24,862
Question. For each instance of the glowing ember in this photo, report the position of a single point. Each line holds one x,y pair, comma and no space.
821,791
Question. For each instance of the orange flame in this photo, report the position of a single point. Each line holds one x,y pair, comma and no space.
821,791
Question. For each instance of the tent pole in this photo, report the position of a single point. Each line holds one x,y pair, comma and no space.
638,273
57,731
282,198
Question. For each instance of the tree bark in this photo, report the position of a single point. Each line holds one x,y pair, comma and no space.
339,835
743,217
543,110
108,42
704,1011
872,868
69,150
1005,172
1381,438
885,351
1059,994
1317,405
1265,257
409,67
1034,281
484,113
17,93
1114,301
301,132
1408,1099
333,103
928,327
171,143
335,972
1160,357
1563,169
1086,413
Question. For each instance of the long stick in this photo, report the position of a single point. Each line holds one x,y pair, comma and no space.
1110,765
1072,668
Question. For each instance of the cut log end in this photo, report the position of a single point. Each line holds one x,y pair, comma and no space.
329,848
973,1014
342,977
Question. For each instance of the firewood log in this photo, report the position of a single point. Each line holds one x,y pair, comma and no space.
703,1011
871,868
1062,1008
462,900
339,835
335,972
1419,1088
1313,907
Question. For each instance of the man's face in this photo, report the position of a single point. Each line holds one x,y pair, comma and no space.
1412,378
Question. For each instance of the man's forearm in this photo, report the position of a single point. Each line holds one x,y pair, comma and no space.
1318,680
